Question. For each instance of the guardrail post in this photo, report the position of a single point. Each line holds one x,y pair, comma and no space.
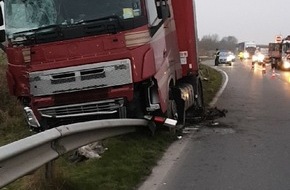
49,171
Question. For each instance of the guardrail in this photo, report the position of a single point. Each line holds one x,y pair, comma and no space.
24,156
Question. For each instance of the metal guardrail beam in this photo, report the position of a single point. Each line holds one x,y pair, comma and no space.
24,156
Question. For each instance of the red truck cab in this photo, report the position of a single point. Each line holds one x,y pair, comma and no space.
73,61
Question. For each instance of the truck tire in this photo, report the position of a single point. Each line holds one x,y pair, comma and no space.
199,106
171,107
197,109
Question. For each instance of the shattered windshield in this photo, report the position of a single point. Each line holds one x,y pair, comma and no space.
24,15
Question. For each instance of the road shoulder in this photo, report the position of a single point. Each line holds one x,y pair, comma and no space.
175,150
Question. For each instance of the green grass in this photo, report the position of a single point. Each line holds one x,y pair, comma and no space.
128,157
212,84
12,122
126,163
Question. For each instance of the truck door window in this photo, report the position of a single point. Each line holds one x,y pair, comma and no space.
158,11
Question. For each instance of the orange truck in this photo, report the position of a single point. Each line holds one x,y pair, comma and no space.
73,60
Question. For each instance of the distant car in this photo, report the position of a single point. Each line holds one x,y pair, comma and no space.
226,57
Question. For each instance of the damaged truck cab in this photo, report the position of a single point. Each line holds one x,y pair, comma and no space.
73,61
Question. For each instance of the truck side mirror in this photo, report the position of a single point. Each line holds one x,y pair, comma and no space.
2,29
1,13
163,10
2,36
159,9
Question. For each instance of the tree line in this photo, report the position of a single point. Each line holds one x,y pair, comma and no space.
208,44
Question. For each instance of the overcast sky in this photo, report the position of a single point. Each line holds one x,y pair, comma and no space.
247,20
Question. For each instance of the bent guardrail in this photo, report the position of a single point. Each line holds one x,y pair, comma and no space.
24,156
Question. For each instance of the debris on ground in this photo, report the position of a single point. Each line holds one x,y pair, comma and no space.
90,151
179,137
209,114
214,113
194,122
214,123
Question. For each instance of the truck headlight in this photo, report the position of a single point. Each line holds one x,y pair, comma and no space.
261,57
286,64
31,118
254,58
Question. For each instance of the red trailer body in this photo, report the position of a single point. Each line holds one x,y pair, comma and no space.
184,16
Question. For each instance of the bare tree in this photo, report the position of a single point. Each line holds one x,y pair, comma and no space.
209,43
228,43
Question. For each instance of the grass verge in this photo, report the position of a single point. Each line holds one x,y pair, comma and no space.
12,122
126,163
212,81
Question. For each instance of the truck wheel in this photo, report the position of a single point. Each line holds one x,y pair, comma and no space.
172,108
175,109
199,100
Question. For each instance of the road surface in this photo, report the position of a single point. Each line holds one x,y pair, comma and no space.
249,149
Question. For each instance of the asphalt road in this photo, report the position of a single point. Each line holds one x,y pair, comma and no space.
249,149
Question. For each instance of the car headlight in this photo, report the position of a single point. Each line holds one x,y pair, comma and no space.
230,58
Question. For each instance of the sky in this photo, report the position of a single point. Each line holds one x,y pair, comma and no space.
248,20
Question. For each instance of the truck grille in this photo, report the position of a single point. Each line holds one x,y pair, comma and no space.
79,78
76,110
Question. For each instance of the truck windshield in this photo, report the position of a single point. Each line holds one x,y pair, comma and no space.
251,49
27,15
286,47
